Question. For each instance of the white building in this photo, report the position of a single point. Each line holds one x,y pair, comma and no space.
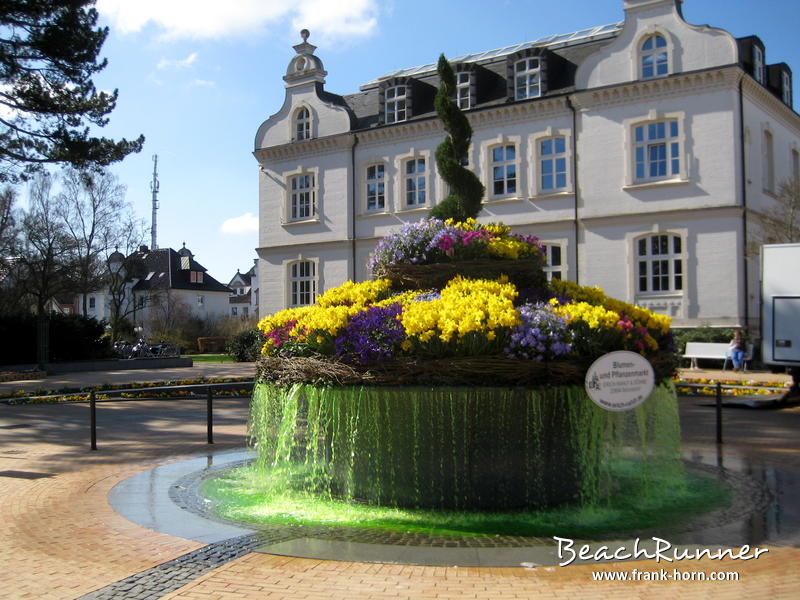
243,300
159,284
642,153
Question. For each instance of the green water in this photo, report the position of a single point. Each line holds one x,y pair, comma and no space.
457,448
244,495
465,461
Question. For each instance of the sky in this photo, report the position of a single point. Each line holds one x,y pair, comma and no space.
198,77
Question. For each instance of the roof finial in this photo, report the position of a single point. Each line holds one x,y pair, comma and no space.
304,33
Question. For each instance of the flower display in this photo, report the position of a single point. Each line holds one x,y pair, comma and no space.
433,240
365,323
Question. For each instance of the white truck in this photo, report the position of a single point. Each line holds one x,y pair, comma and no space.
780,310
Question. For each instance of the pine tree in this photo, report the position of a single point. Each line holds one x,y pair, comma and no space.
48,54
466,190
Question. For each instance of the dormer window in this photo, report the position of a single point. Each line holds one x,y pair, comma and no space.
196,276
463,90
302,125
759,72
654,57
396,107
786,88
527,78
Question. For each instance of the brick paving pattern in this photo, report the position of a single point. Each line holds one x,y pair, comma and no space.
59,538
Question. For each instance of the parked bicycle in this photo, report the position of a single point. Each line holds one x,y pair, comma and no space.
144,349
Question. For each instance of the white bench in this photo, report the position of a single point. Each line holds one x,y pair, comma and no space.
695,350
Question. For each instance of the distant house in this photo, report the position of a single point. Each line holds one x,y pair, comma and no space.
165,282
175,279
243,300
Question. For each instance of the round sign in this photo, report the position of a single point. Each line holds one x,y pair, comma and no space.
620,380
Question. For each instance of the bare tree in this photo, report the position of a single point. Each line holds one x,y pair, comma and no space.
43,264
124,265
91,205
780,224
9,241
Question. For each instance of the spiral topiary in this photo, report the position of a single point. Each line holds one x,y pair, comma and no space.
466,189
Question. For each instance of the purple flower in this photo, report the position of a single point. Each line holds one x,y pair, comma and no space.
372,335
542,335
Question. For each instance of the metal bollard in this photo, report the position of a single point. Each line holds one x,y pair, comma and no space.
93,418
719,412
209,415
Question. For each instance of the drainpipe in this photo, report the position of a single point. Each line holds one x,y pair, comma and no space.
575,181
745,279
354,206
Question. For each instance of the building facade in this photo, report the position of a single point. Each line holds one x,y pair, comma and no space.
243,300
642,153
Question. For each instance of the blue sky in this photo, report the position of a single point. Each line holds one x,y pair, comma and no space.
198,77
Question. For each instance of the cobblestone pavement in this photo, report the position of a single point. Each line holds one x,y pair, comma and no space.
59,538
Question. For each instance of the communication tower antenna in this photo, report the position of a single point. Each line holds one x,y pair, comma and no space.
154,188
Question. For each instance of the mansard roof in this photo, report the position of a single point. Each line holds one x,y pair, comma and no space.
166,269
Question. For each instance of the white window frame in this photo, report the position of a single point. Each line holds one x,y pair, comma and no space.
543,162
234,311
301,282
375,187
644,149
786,92
768,161
500,165
659,264
554,250
201,300
527,78
298,196
658,57
396,104
759,69
463,99
420,195
302,124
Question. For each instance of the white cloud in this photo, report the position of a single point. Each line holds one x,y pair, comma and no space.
247,223
180,63
180,19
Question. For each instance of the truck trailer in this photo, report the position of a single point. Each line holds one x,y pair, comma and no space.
780,310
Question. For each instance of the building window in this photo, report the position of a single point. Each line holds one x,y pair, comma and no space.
302,283
758,64
553,164
92,302
554,267
302,200
768,163
462,90
302,125
795,167
196,276
396,104
504,170
376,188
234,311
415,182
657,150
245,311
786,92
527,78
660,264
654,57
201,300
